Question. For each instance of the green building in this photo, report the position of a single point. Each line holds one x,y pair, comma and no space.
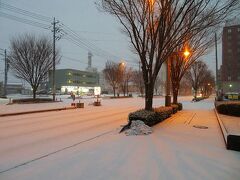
79,82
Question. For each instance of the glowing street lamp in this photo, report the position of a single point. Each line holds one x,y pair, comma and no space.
186,54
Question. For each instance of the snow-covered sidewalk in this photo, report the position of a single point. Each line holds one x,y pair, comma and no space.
86,145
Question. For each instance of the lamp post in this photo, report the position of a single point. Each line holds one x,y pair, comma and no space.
121,68
186,54
230,87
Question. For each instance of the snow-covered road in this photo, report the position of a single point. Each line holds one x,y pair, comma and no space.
85,144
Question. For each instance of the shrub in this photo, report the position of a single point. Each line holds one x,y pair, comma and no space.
151,118
232,109
180,106
30,100
163,111
174,108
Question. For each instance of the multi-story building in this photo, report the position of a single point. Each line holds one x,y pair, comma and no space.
230,76
79,82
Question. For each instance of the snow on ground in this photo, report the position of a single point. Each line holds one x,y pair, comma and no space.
85,144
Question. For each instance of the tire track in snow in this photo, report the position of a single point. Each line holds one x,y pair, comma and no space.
66,124
55,152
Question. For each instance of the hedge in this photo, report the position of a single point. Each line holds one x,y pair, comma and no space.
151,118
174,108
232,109
180,106
30,100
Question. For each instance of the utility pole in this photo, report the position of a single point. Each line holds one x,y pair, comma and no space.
5,73
55,37
54,60
216,51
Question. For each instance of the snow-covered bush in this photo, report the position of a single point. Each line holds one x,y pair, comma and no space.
174,108
232,109
148,117
163,111
151,118
180,106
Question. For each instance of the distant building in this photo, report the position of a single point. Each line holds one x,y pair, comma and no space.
90,68
72,80
230,70
14,88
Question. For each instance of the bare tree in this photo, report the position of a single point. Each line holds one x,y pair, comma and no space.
208,84
137,79
198,45
197,75
30,59
125,76
156,28
158,84
112,75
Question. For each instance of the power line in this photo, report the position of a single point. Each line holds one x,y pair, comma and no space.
73,59
25,21
97,51
72,35
25,12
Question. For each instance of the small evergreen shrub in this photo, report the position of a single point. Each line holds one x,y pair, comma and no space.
151,118
163,111
30,100
174,108
180,106
232,109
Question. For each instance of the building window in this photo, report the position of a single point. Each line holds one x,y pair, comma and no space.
238,29
229,31
229,78
229,50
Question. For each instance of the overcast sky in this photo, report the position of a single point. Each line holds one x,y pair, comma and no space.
100,31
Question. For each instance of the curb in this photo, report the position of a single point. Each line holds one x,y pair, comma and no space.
36,111
232,141
222,127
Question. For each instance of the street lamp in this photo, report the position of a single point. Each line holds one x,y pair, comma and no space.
186,54
230,87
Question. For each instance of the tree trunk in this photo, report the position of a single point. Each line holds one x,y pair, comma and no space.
127,89
114,91
175,90
195,93
149,96
34,93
